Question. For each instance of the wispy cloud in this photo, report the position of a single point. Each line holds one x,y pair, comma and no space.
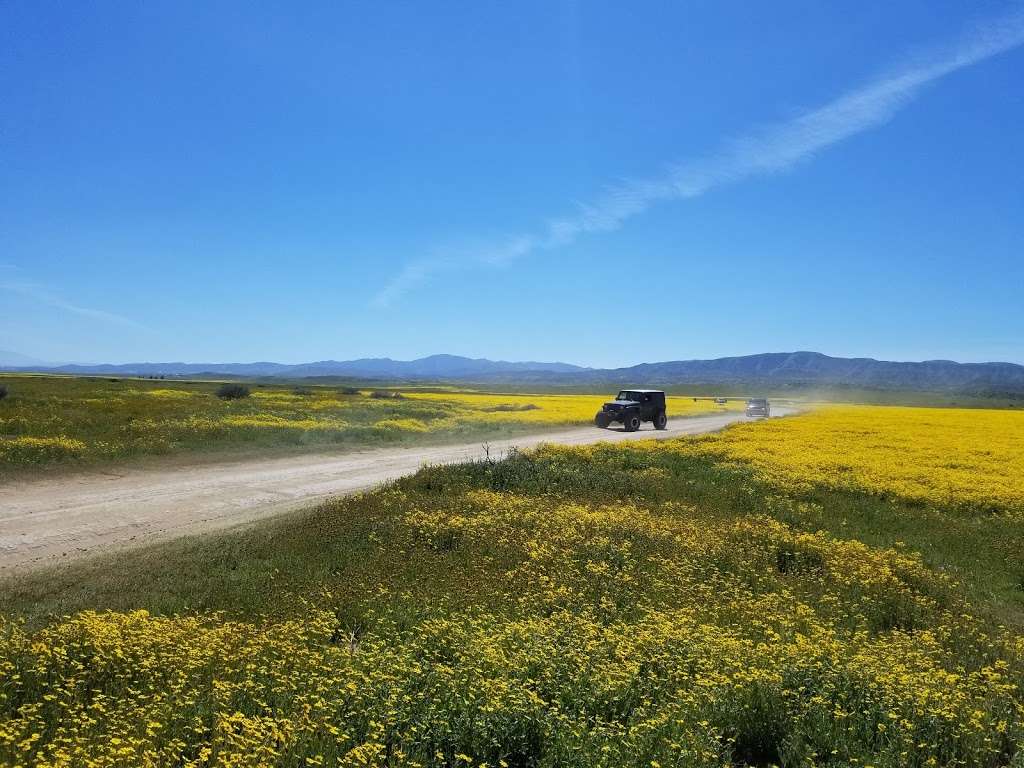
767,150
43,295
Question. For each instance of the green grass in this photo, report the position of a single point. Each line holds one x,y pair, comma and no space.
68,421
76,421
244,572
50,422
615,605
605,606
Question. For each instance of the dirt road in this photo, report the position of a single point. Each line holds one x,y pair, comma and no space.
48,520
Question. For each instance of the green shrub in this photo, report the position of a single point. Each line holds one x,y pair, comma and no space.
232,391
3,391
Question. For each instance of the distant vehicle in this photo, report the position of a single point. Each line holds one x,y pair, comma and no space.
721,401
632,407
758,406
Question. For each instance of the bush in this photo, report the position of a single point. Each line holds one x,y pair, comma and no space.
232,391
3,391
386,394
349,390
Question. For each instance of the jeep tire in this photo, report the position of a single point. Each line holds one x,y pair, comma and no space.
631,422
660,420
601,420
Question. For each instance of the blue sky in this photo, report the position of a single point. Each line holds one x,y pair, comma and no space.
601,183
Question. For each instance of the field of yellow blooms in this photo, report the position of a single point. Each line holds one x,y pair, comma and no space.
48,419
550,409
971,459
648,605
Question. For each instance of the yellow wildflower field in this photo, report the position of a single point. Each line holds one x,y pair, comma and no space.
53,419
496,628
648,604
29,449
967,458
550,409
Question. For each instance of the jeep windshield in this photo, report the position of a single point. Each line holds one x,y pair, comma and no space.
634,396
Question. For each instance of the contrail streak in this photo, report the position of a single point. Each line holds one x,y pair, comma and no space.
769,150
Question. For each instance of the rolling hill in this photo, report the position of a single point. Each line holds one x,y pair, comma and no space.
789,370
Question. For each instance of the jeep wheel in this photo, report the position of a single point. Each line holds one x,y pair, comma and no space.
631,423
601,420
660,420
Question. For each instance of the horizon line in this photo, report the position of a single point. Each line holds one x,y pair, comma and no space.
44,366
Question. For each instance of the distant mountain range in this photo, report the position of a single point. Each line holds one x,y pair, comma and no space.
433,367
774,370
813,369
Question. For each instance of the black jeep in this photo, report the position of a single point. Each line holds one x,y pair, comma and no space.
632,407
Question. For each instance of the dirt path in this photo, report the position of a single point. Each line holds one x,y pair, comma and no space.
48,520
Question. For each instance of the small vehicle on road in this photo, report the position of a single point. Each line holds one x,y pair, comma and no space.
632,407
758,406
